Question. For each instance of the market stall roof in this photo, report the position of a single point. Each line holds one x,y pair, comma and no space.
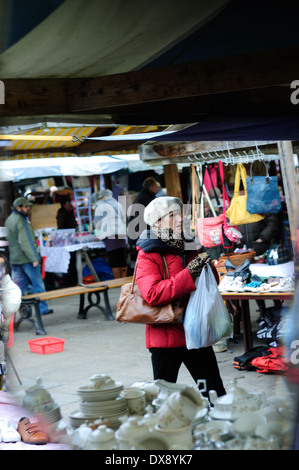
78,38
18,170
140,63
66,165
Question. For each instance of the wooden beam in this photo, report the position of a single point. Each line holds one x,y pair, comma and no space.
290,185
183,149
200,79
172,181
221,75
34,97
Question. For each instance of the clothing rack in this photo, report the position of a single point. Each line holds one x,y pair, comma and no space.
229,157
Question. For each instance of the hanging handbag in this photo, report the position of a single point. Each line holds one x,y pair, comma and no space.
209,229
230,233
237,212
132,308
262,193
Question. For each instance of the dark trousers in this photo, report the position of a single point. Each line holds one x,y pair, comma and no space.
201,363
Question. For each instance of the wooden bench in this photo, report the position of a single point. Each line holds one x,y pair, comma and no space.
94,289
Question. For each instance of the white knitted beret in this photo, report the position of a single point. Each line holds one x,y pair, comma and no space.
160,207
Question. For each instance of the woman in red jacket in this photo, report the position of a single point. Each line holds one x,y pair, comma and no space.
167,342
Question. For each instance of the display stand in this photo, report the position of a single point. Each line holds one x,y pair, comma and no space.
83,208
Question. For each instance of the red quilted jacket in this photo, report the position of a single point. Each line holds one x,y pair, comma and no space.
158,291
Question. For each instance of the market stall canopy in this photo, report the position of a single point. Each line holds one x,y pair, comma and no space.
18,170
78,38
141,63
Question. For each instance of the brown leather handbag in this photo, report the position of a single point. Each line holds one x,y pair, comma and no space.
132,308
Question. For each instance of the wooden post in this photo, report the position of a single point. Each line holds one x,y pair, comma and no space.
285,149
172,181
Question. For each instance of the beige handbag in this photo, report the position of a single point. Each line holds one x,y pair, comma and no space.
132,308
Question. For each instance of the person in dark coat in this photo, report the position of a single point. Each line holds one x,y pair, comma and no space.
65,215
65,220
148,192
150,187
259,236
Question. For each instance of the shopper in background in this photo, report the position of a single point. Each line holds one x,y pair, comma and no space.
66,220
259,236
65,215
167,342
110,227
148,193
23,251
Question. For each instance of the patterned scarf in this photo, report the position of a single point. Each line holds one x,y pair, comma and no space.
168,236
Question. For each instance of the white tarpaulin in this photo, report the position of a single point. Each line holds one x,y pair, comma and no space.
17,170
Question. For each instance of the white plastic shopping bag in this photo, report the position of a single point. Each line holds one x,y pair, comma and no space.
206,318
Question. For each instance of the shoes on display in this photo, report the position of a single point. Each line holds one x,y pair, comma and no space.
8,431
266,287
286,284
225,283
31,433
256,278
252,286
237,285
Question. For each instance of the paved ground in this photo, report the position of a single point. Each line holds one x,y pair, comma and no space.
97,346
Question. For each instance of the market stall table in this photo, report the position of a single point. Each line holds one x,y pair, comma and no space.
58,257
244,298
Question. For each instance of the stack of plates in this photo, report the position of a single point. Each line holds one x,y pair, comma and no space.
111,410
91,394
104,408
52,416
100,403
76,418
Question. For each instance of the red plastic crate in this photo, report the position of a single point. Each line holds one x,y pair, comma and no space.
47,345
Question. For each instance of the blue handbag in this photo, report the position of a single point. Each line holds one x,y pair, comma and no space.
262,193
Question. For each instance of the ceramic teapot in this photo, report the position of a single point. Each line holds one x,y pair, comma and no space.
132,427
102,438
180,408
101,381
236,402
37,398
151,389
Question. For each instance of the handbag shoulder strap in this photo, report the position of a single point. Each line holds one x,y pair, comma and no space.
240,174
224,193
165,271
267,171
212,185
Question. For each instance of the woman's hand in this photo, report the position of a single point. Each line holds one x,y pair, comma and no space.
197,264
